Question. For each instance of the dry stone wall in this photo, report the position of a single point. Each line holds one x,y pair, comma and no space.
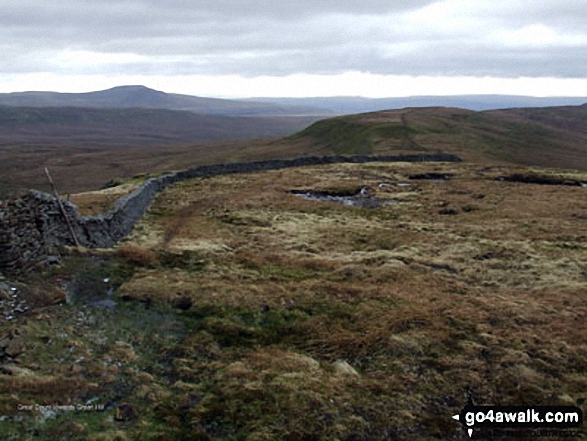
33,229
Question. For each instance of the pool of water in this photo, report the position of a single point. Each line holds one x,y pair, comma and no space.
358,199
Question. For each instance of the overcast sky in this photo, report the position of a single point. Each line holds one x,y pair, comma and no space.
296,48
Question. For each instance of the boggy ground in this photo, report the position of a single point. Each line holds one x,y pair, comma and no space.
245,312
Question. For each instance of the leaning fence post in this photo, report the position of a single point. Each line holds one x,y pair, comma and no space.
62,208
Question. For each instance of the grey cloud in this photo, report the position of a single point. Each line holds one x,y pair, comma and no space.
268,37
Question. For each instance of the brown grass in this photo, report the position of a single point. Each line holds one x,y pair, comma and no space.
137,255
535,137
308,320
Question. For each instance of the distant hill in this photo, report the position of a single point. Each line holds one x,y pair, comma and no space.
350,105
552,137
145,98
133,127
78,144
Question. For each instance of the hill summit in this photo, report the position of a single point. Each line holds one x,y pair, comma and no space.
146,98
552,137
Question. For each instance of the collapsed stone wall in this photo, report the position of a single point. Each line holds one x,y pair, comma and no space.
33,228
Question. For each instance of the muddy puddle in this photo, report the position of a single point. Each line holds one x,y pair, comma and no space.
95,280
542,180
361,198
433,177
92,292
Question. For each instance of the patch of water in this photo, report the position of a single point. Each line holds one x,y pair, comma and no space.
358,199
91,292
434,177
104,304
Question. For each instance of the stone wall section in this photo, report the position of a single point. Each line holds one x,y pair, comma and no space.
33,228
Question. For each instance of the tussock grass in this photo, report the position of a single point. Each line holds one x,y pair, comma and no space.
137,255
297,319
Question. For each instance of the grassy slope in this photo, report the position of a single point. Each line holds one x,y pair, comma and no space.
554,137
132,126
78,168
245,312
253,314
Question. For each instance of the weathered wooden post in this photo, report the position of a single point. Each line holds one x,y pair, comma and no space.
62,208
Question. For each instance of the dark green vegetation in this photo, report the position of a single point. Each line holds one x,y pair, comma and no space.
243,312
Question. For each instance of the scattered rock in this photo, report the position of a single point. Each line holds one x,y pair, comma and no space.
305,362
342,368
53,260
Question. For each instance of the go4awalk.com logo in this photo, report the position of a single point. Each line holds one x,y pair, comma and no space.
516,418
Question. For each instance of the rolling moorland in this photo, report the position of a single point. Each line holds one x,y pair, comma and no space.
127,127
552,137
345,301
142,97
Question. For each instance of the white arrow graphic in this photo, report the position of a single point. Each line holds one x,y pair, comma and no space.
458,418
